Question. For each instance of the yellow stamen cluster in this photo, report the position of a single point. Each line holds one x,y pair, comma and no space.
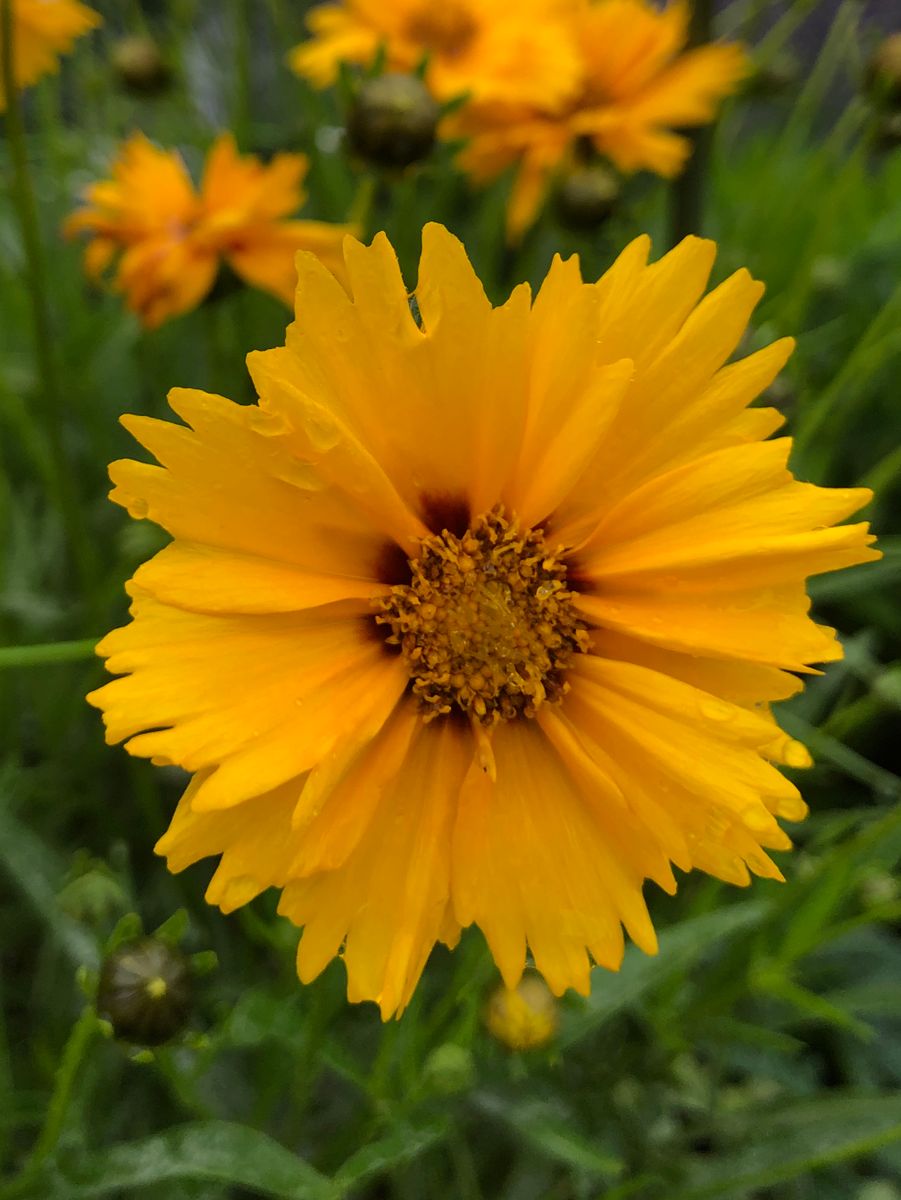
486,623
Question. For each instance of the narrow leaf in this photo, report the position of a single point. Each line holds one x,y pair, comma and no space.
208,1151
800,1138
680,949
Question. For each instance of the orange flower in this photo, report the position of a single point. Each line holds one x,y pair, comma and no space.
478,618
491,50
637,86
42,30
170,239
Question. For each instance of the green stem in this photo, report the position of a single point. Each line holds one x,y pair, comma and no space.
363,206
687,193
241,122
64,494
83,1033
50,652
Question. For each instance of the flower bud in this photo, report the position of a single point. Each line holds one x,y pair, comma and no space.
774,76
586,197
523,1017
884,72
140,66
392,121
449,1070
145,991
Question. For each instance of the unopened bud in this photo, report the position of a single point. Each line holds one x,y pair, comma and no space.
449,1070
884,72
587,196
392,121
523,1017
140,65
774,76
145,991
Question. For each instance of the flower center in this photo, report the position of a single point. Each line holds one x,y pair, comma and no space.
486,623
447,29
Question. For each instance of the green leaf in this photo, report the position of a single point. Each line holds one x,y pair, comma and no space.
827,749
37,871
211,1151
550,1131
798,1139
400,1146
174,928
127,929
680,948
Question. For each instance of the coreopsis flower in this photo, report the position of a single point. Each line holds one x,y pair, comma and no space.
488,50
167,240
42,31
477,618
638,86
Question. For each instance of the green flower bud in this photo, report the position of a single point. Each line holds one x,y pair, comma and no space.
449,1070
392,121
586,197
145,991
883,76
140,65
774,76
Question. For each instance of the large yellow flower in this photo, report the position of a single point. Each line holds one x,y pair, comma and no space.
478,619
42,30
171,239
490,50
638,85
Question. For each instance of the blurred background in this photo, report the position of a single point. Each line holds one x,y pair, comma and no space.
758,1056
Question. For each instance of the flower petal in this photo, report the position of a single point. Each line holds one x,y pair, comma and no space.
389,899
260,699
315,526
528,870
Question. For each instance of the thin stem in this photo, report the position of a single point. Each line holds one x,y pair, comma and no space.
83,1033
687,194
64,493
50,652
241,122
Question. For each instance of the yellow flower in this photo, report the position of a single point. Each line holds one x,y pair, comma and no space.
170,239
490,50
523,1017
42,30
478,620
638,85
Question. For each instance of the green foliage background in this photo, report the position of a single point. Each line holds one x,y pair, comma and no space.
758,1055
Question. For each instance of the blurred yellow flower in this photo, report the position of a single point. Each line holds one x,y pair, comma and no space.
524,1017
638,85
167,239
42,30
490,50
478,619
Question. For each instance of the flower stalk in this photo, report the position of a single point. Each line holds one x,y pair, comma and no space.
84,1031
64,493
687,193
47,654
